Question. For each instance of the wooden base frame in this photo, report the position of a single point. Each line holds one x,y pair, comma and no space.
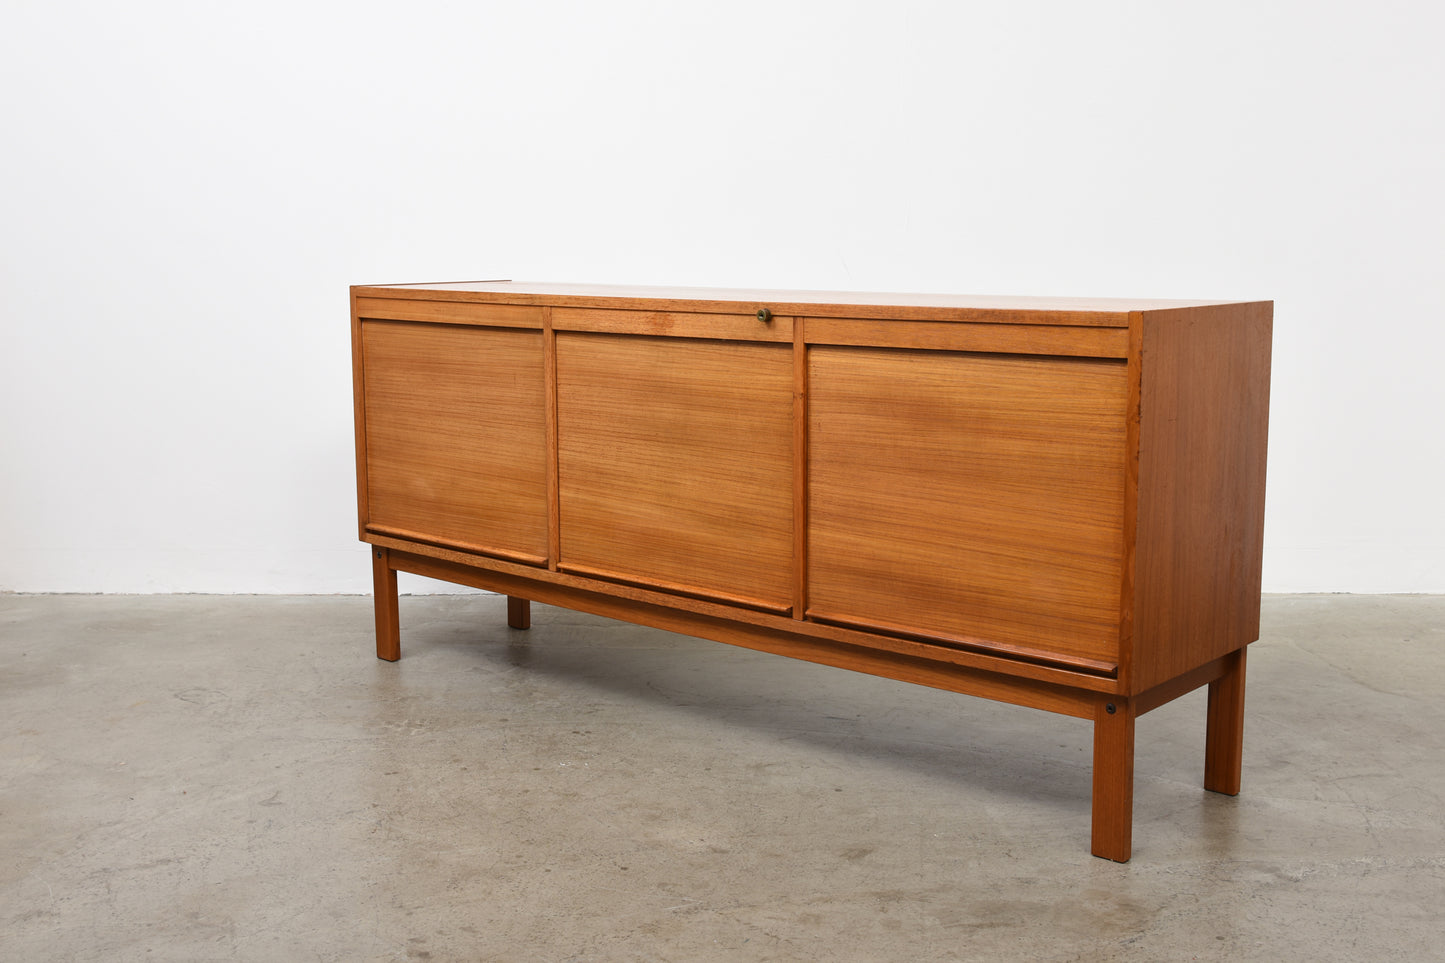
1113,716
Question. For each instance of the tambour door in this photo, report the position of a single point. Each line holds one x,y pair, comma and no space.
675,464
976,498
456,441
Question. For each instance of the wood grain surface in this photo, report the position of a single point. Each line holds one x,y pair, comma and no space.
1046,339
456,434
1203,424
675,324
968,495
675,462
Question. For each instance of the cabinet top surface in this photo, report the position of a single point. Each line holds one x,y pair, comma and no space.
1109,312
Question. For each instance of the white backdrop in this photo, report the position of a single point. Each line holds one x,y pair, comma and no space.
187,189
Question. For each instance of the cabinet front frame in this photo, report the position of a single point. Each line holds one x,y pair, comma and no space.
802,334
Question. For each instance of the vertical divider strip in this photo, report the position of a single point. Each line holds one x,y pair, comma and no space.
549,378
800,470
1127,557
358,402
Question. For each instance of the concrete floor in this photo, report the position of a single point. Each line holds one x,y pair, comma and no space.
238,778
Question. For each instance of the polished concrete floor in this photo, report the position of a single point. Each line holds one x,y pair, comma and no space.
238,778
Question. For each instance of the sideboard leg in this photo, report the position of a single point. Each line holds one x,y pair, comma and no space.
1224,729
519,613
1113,779
388,622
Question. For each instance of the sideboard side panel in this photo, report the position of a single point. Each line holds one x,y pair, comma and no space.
1203,423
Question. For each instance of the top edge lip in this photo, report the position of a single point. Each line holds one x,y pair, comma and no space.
1109,312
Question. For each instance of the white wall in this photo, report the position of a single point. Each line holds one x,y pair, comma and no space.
186,190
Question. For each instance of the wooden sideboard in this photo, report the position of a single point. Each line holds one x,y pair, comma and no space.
1056,503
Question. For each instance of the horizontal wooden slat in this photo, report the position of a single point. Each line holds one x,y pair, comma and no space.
761,605
984,645
1167,692
450,312
1041,339
522,558
679,324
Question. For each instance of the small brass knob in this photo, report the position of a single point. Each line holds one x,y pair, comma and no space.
764,315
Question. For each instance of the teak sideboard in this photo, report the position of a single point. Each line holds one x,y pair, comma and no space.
1056,503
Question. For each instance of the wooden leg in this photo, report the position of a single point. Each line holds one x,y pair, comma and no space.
519,613
1113,779
388,623
1224,729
